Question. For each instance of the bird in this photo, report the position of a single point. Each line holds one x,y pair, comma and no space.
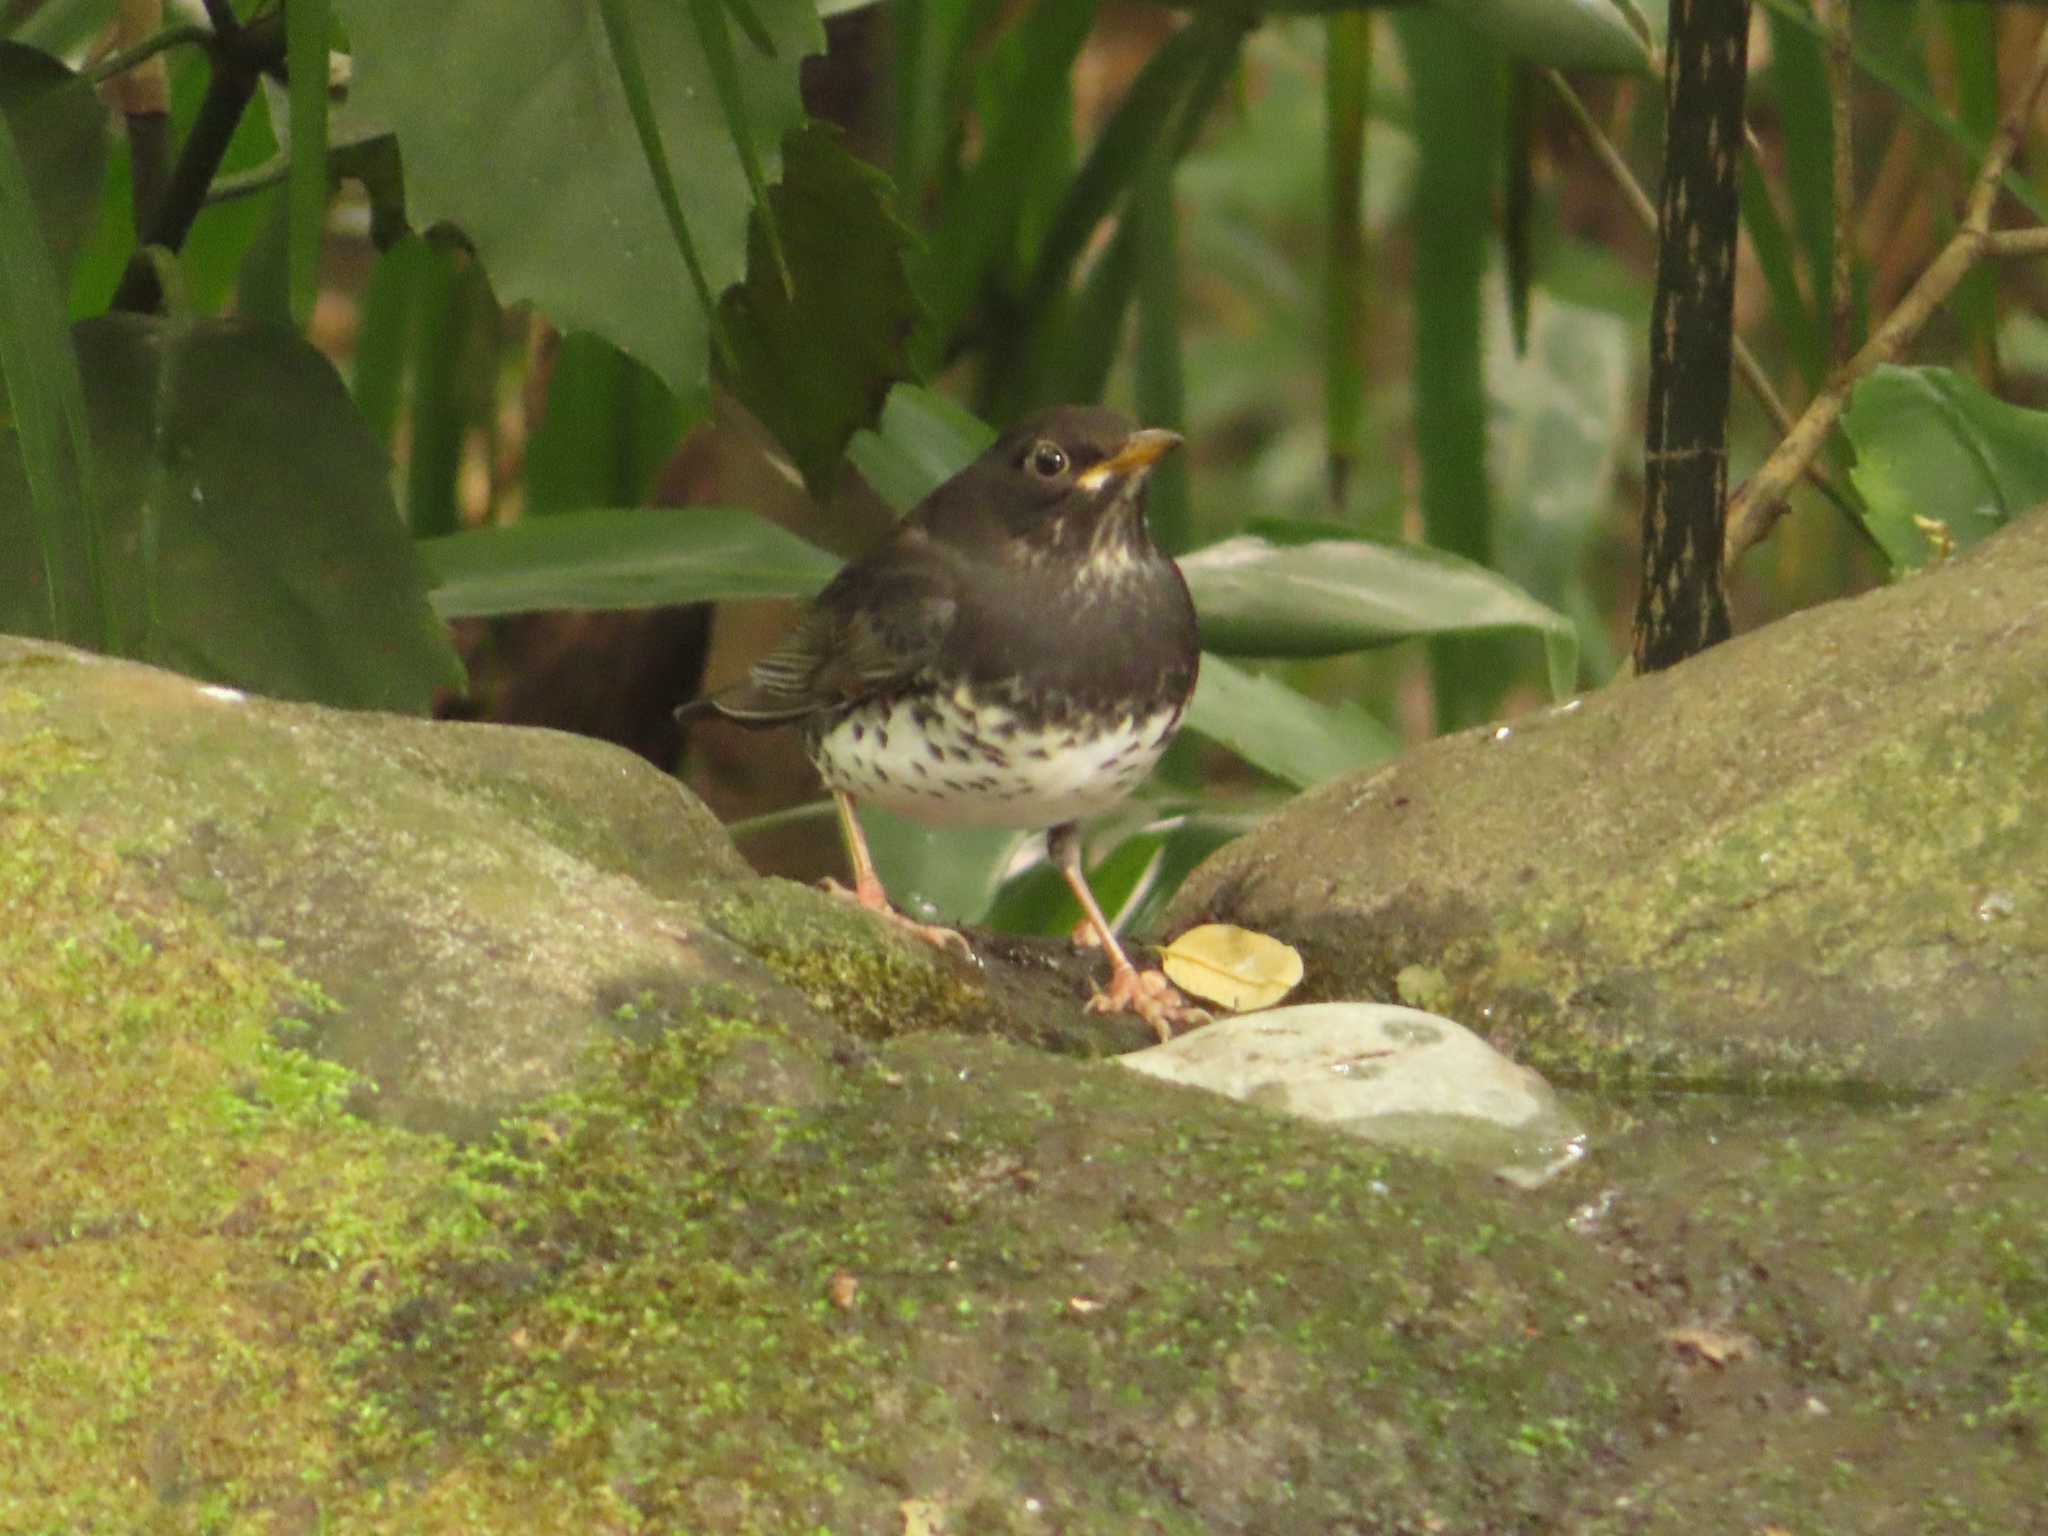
1016,652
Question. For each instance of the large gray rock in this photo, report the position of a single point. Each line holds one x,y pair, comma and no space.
1816,855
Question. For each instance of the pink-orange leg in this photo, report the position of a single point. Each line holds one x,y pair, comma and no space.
1148,994
867,885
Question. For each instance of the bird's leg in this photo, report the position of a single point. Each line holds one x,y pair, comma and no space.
1148,994
867,885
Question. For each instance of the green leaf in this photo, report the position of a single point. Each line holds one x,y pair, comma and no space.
65,592
1286,733
1914,95
307,30
1561,421
515,125
607,429
938,874
972,234
923,439
1563,34
1931,445
631,557
59,130
1566,34
814,361
250,510
1298,589
1456,82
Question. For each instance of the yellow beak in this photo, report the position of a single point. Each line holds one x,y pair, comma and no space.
1141,450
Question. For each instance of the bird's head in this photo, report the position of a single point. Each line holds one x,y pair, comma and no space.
1072,479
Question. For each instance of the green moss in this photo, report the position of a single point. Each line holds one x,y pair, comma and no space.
183,1198
1058,1296
874,983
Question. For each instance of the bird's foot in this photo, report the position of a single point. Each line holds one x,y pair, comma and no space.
874,901
1151,997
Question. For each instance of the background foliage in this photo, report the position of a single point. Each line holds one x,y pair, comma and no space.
425,298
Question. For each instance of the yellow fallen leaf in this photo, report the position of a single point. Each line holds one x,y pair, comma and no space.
1232,967
922,1517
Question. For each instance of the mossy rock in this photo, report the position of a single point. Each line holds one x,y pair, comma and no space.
1815,857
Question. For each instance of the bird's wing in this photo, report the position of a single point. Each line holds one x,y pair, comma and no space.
882,620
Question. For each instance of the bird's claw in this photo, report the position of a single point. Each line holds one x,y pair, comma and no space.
1151,997
931,933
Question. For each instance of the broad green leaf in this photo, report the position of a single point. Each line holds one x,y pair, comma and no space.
922,440
1561,419
814,362
1286,733
515,127
60,132
1933,448
1563,34
629,557
1293,589
249,514
44,437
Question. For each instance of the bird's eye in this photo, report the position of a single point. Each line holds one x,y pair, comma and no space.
1046,460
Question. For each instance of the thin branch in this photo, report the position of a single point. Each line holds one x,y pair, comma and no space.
2008,244
1761,501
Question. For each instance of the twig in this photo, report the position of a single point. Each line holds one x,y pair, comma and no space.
1761,500
2006,244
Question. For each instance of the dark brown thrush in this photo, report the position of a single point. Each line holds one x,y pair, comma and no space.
1016,653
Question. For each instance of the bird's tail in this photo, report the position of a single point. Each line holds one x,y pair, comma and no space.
747,704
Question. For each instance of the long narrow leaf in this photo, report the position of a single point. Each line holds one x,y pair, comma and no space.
307,26
981,215
47,404
1161,389
1139,123
1294,590
629,557
1347,82
1282,731
725,80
